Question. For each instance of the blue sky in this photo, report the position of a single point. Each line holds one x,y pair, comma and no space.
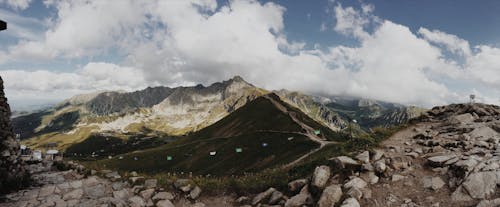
412,52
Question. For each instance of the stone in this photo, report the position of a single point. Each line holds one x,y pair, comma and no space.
121,194
296,185
397,177
367,167
461,119
301,199
76,184
350,202
380,166
377,154
364,157
370,177
243,200
355,182
46,191
183,185
460,195
330,196
438,161
74,194
345,162
198,204
147,194
276,197
355,193
95,192
91,181
150,183
136,201
195,192
320,176
481,184
434,183
259,198
163,196
133,174
489,203
136,180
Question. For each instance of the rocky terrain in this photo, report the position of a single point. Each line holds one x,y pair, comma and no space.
449,157
12,173
87,188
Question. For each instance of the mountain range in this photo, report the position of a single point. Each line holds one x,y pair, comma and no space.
189,116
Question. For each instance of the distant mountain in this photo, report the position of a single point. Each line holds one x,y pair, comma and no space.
268,131
335,112
183,110
173,111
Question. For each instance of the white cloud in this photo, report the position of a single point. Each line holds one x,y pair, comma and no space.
453,43
17,4
187,42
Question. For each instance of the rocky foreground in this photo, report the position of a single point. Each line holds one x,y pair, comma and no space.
448,157
81,187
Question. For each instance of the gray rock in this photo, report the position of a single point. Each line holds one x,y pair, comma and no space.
301,199
121,194
370,177
380,166
364,157
74,194
296,185
96,191
195,193
276,197
163,196
150,183
136,201
355,193
481,185
355,182
330,196
91,181
183,185
243,200
147,194
263,196
345,162
198,204
489,203
438,161
136,180
320,176
397,177
46,191
434,183
350,202
460,195
377,154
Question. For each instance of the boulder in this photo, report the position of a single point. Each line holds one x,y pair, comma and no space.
259,198
96,191
147,194
345,162
355,182
121,194
350,202
163,196
320,177
136,180
276,197
380,166
195,193
183,185
438,161
489,203
377,154
364,157
301,199
296,185
164,203
481,184
136,201
243,200
330,196
150,183
74,194
434,183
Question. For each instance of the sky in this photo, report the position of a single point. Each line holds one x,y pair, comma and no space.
422,53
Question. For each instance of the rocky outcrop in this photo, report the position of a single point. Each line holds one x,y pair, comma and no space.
12,172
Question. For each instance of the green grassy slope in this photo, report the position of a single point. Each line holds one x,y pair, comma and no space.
258,122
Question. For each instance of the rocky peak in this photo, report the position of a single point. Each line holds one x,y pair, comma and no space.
476,109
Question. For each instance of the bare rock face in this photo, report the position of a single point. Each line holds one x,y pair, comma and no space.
12,173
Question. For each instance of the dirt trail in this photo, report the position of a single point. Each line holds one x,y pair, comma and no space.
309,132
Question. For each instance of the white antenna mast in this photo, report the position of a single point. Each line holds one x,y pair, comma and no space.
472,97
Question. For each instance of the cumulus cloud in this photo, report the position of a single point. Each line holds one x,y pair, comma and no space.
187,42
16,4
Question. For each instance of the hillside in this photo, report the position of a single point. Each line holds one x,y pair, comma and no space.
269,132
